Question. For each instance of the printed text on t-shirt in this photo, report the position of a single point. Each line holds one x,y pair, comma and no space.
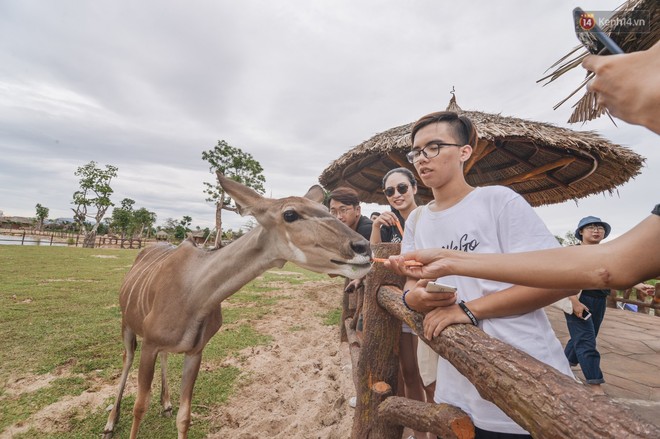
464,244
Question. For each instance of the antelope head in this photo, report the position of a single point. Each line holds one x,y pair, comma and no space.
301,230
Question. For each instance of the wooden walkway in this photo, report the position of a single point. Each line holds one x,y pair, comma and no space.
629,344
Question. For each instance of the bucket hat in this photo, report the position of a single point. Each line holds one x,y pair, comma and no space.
591,220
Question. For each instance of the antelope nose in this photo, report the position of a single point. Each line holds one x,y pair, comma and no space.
361,247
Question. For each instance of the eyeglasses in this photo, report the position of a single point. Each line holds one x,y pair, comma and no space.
431,150
593,228
342,211
402,188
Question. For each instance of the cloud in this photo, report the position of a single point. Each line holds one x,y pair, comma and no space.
147,86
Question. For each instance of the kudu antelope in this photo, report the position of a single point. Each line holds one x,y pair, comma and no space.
171,296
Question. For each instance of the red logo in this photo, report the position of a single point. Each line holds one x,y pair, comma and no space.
587,21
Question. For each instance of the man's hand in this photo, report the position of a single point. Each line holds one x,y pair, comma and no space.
438,319
435,263
421,300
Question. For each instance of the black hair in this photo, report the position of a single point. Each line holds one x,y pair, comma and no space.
462,127
405,171
345,195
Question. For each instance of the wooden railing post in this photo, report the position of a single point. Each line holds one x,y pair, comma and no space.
379,354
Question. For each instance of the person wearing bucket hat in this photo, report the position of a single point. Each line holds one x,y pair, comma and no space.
588,312
596,223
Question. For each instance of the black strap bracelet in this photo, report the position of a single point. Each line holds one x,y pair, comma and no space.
404,300
466,310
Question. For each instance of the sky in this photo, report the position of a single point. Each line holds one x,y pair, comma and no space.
147,86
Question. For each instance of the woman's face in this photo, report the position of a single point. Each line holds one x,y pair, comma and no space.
401,202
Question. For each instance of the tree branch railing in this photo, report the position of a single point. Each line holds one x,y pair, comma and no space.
540,399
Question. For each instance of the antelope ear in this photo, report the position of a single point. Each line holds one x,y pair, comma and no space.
246,198
315,193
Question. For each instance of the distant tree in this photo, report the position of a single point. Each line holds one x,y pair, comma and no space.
94,193
41,214
182,228
143,219
122,217
132,222
170,225
237,165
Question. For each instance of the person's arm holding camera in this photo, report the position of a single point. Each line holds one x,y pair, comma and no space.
628,85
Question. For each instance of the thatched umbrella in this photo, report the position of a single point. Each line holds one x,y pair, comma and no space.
543,163
618,28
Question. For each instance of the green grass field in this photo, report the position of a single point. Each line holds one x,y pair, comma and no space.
60,316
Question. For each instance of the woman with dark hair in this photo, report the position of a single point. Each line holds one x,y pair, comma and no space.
400,187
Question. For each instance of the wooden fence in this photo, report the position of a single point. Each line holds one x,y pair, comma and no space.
24,237
21,238
545,402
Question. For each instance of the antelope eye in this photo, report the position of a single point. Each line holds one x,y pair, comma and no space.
290,216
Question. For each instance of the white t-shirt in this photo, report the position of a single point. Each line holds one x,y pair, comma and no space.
491,219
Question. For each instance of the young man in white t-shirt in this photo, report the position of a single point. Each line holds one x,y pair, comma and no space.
491,219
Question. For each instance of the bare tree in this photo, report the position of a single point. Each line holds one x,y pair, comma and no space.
42,214
94,194
237,165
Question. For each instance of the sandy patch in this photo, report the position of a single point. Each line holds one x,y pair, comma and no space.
27,383
298,386
19,384
58,416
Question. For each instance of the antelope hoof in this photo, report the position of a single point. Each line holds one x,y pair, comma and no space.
107,434
167,412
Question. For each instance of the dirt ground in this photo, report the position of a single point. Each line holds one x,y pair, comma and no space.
299,385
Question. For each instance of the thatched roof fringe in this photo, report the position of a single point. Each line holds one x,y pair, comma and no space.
544,163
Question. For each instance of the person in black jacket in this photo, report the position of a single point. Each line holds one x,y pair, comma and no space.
345,206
